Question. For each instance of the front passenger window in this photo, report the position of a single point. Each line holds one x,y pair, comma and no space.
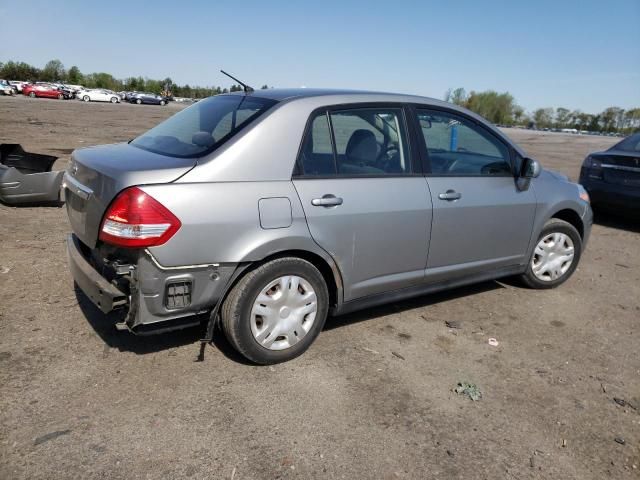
458,147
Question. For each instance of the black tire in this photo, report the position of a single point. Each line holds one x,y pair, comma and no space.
236,309
552,226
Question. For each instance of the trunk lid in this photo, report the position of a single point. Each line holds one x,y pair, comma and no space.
620,168
97,174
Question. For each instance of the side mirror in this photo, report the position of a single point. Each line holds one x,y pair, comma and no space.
530,168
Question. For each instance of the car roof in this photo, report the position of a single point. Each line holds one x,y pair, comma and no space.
290,94
338,97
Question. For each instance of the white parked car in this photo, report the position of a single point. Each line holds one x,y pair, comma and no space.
5,88
80,92
98,95
17,85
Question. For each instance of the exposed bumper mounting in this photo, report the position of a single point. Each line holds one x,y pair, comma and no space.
102,293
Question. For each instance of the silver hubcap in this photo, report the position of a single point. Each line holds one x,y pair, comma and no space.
284,312
552,257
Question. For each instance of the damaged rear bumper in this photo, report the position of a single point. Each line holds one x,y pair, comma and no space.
154,298
103,294
27,177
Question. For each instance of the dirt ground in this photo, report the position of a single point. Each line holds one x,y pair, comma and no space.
372,398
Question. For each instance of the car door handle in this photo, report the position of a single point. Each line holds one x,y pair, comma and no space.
327,201
450,195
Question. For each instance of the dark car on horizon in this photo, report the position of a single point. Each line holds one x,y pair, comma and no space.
149,99
612,177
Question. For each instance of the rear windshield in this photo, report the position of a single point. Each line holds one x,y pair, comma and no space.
203,127
629,144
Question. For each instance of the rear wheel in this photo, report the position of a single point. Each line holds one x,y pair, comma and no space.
138,101
555,256
162,102
275,312
60,96
114,100
32,94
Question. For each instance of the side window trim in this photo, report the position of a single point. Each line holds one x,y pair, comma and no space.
422,164
413,145
298,168
332,136
424,151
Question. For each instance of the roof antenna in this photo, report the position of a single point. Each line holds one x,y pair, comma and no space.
246,87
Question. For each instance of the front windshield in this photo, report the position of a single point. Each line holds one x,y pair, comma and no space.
629,144
201,128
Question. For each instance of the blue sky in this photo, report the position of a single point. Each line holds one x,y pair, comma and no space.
576,54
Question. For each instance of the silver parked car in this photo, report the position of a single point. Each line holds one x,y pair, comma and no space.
271,209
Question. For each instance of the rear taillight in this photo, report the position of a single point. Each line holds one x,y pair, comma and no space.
137,220
594,167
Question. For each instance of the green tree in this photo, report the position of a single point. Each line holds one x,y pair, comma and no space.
632,120
457,96
74,77
518,115
153,86
543,117
53,71
563,116
495,107
584,120
611,118
18,71
594,123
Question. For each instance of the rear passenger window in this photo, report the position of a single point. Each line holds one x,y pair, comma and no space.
368,142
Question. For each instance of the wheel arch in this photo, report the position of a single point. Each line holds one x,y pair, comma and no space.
572,217
328,269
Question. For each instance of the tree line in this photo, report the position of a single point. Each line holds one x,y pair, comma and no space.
502,109
54,71
498,108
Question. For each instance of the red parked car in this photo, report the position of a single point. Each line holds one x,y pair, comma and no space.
45,91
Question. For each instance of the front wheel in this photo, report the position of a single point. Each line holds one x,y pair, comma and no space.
555,256
275,312
138,101
32,94
60,96
86,98
114,100
162,102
